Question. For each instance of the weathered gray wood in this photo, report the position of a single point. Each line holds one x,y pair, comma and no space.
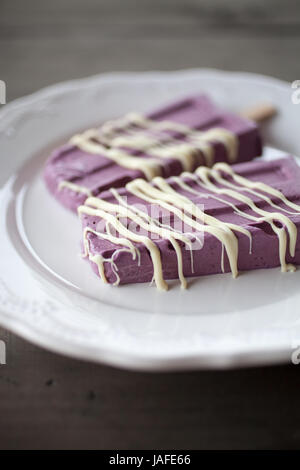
48,401
45,42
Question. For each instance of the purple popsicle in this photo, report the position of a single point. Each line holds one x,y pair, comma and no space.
71,173
270,212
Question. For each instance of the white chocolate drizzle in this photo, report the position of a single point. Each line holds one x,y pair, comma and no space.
162,194
269,217
74,187
116,140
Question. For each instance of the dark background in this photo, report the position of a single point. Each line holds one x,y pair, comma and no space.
48,401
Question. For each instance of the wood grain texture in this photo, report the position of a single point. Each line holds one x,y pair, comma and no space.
48,401
45,42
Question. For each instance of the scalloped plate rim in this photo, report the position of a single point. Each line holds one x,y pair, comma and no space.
134,361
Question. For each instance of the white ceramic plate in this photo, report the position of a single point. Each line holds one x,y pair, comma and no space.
51,297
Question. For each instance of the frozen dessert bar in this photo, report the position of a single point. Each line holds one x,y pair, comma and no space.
219,219
175,138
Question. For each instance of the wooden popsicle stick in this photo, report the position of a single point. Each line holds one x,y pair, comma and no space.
260,113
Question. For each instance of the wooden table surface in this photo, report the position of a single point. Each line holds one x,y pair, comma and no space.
49,401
